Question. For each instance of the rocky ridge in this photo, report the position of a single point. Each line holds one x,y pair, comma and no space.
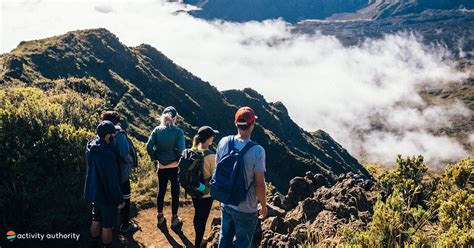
313,211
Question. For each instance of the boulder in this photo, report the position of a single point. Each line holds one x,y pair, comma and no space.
300,189
292,242
276,224
273,210
280,201
271,239
319,181
300,233
267,224
310,208
305,211
316,180
325,225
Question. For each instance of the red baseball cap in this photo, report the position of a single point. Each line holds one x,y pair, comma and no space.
245,116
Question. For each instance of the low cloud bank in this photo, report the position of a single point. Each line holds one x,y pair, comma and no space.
365,96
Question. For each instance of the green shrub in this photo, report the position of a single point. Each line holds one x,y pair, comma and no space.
400,215
144,180
419,212
455,198
406,178
45,129
44,167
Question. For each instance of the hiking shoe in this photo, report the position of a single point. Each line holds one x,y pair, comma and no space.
131,227
203,242
94,242
176,223
161,221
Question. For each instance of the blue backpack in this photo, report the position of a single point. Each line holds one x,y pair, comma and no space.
228,183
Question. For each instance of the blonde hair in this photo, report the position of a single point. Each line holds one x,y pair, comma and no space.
167,120
196,142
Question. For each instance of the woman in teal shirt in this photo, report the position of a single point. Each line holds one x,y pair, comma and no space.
164,146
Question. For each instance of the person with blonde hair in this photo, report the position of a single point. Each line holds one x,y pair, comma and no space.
164,146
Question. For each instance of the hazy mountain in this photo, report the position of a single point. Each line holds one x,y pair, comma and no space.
291,11
450,28
294,11
141,81
438,21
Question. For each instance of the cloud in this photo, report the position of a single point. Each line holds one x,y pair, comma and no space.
103,8
435,149
471,139
365,96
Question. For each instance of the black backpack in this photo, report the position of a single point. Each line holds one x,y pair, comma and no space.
191,172
133,150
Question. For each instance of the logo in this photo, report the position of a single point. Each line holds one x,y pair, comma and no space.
11,235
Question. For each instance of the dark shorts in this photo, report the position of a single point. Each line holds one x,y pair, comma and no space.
106,215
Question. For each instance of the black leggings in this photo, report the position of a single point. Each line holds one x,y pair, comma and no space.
164,175
202,208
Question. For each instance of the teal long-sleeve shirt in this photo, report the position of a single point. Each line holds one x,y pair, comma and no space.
166,144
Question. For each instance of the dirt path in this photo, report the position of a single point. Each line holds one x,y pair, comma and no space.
151,237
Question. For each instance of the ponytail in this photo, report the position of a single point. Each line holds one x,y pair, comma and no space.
167,120
196,142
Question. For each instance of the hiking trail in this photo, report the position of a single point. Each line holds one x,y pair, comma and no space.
151,237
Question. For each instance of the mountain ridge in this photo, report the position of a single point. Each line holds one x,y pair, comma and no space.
141,81
294,11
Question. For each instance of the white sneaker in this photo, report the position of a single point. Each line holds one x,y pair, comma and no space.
132,227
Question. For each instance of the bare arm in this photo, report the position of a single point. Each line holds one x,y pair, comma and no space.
261,193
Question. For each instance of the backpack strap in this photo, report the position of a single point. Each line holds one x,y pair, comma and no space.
206,153
230,144
242,152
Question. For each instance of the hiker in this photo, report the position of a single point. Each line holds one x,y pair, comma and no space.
239,182
164,146
102,186
195,170
127,160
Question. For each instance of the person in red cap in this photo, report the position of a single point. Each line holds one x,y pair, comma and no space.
240,220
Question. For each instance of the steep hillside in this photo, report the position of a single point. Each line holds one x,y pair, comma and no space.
140,81
401,7
294,11
446,27
258,10
461,128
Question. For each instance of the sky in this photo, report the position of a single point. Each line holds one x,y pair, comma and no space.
324,85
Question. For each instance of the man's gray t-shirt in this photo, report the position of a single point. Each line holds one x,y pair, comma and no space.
254,161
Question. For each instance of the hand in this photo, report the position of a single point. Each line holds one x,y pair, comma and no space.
157,166
120,206
262,211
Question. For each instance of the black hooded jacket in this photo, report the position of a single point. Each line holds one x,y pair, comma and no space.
102,179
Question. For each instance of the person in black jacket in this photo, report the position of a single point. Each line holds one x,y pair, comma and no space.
102,187
124,151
